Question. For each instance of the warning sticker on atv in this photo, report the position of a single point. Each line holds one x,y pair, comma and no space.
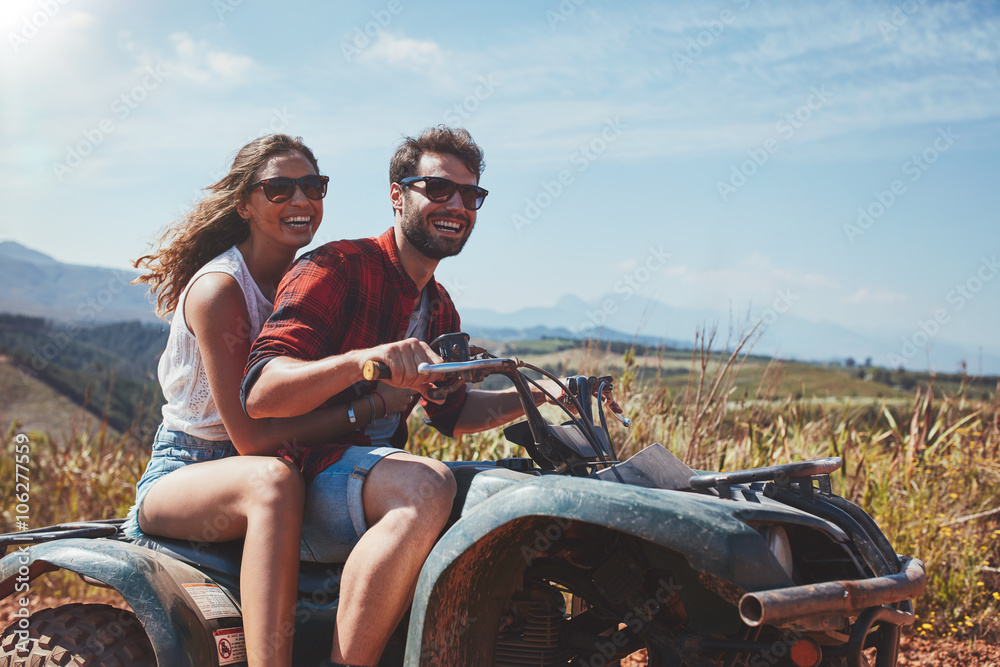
230,645
212,601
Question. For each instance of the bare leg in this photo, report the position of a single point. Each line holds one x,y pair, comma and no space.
260,498
407,500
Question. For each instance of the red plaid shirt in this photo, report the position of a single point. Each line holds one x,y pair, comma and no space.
343,296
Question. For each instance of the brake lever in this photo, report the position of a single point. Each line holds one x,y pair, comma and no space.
625,421
605,397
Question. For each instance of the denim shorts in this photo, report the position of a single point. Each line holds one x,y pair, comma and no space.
334,518
172,450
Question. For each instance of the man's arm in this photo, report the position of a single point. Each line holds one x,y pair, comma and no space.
484,410
287,387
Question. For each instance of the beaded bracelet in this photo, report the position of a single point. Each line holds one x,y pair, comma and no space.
384,404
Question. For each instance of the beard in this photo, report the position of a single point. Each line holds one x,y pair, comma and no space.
420,234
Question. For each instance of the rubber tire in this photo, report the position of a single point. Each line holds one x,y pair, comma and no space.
96,635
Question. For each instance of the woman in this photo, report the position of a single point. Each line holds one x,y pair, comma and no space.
217,271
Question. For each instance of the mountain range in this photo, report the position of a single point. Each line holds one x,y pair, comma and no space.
33,283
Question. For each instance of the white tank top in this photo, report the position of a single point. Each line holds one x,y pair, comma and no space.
190,407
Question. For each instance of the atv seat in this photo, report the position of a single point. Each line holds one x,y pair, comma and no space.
476,481
221,561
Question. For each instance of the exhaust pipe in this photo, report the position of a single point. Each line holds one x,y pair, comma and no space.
778,606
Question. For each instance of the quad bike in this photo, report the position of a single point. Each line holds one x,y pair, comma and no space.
569,557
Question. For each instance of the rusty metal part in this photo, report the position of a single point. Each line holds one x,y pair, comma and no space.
888,640
782,605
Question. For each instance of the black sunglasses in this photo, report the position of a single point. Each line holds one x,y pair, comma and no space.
281,188
441,190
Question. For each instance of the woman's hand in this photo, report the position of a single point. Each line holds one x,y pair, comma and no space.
397,399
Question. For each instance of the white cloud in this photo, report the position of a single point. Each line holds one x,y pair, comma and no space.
196,61
938,67
413,54
228,65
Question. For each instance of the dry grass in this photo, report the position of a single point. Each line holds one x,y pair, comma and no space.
88,474
926,469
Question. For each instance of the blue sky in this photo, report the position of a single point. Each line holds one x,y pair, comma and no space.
710,155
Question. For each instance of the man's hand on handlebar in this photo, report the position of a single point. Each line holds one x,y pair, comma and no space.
402,358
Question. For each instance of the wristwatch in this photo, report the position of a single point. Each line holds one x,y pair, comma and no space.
350,414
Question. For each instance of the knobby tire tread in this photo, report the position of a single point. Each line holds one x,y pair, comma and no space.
79,635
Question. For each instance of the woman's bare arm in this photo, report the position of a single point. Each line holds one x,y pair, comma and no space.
215,310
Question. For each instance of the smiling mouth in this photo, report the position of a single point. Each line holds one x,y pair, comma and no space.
447,226
297,221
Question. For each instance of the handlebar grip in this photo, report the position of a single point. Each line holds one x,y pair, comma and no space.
376,370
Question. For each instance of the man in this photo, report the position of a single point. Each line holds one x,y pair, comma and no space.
346,303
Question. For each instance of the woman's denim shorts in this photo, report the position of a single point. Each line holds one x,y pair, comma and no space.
172,450
334,518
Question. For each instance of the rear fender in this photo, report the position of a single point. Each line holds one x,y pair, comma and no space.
473,569
152,584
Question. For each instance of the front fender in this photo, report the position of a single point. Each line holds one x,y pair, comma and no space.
151,583
480,560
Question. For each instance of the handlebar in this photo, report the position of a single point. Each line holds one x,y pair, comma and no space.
553,446
376,370
488,365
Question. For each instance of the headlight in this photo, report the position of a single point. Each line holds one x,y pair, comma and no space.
777,542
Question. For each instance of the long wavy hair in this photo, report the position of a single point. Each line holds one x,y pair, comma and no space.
213,225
